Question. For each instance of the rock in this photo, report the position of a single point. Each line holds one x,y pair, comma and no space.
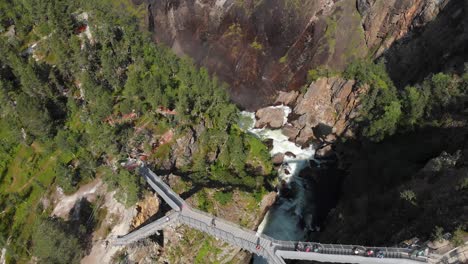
443,162
305,137
277,159
183,150
324,152
290,131
290,154
270,117
267,202
363,6
324,110
287,98
145,209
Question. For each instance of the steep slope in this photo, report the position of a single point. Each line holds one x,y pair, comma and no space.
260,47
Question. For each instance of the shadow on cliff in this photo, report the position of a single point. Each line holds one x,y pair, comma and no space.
371,210
440,45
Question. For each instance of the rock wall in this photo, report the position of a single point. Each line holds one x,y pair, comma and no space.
260,47
320,115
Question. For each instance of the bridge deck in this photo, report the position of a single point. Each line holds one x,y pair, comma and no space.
272,250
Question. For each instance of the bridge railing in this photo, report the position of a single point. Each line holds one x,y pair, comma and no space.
163,186
230,237
277,244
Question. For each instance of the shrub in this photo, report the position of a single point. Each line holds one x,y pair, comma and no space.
458,237
409,196
437,235
223,197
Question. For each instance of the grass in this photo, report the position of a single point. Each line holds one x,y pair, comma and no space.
30,174
206,251
204,202
258,154
223,197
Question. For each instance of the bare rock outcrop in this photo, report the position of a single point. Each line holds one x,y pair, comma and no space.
285,98
324,111
145,209
261,47
270,117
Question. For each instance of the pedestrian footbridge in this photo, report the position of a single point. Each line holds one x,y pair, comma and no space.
274,251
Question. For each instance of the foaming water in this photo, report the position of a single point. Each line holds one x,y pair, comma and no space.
282,220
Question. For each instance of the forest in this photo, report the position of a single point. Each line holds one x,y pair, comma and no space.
78,83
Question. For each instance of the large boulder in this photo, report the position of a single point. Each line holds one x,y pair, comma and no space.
272,117
324,111
287,98
290,131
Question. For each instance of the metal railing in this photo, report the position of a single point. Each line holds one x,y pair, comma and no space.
189,216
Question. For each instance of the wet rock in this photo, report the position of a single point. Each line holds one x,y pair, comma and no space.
287,98
305,137
270,117
290,154
278,159
290,131
267,202
324,152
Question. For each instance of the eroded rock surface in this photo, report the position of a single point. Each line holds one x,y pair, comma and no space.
146,208
272,117
262,47
324,112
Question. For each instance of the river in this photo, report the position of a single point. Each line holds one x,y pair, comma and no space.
291,217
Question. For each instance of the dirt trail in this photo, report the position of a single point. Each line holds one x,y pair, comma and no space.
100,252
66,203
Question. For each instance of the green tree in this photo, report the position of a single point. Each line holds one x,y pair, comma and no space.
414,105
34,116
52,243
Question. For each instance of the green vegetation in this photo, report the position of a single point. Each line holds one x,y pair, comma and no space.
322,71
409,196
384,109
438,234
332,25
256,45
283,59
63,101
234,30
52,243
458,236
204,202
223,197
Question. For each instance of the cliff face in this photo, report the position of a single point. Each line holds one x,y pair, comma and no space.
260,47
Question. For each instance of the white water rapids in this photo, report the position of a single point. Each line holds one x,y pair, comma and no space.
282,220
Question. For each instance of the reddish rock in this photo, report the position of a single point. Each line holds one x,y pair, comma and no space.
278,158
305,137
290,131
287,98
270,117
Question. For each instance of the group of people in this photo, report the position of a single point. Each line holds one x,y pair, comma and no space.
307,248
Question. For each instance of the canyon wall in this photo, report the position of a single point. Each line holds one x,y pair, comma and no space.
261,47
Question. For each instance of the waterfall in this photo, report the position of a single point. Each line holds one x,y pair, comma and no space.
282,220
